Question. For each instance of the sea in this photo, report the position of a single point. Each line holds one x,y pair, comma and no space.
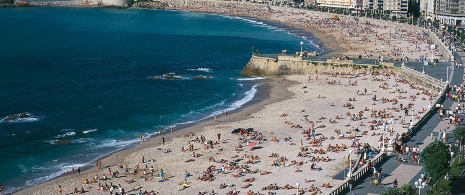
92,81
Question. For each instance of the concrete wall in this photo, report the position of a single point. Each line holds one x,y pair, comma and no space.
288,65
117,2
120,3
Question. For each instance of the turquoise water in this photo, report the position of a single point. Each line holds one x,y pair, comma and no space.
84,76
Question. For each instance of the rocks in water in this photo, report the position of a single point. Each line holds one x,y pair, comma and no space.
173,76
167,76
201,77
15,117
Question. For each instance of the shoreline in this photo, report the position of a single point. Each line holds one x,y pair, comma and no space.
328,41
277,90
269,85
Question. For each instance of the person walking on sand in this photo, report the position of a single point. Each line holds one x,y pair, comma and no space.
187,176
219,136
163,139
79,170
60,191
162,174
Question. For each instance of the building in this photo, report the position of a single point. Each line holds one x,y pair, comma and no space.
450,12
393,7
350,4
428,8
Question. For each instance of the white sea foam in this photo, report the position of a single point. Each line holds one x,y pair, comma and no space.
239,103
248,96
67,134
250,78
200,69
82,140
116,143
57,171
89,131
229,17
22,120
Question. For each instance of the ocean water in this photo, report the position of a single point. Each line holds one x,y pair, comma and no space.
92,80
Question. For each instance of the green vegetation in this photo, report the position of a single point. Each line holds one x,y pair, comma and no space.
436,156
442,185
459,134
406,189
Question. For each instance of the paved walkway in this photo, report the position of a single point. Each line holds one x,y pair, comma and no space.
409,173
403,173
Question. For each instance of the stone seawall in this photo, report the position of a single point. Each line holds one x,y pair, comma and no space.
292,65
288,65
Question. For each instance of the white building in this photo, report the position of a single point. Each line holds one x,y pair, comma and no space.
337,3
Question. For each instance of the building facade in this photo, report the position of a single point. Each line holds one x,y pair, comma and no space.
450,12
337,3
394,7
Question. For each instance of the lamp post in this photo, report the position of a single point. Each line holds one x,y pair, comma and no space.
413,112
423,69
301,44
448,68
382,138
297,184
350,164
419,185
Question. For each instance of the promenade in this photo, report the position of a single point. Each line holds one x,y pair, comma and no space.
408,172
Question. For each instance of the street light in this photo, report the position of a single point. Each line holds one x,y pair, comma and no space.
297,184
301,43
413,112
419,185
423,69
382,148
350,164
447,81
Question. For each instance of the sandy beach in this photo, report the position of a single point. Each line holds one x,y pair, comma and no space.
280,145
303,125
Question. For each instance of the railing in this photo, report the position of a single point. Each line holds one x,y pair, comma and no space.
429,81
357,175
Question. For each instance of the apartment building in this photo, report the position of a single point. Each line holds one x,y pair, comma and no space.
337,3
450,12
395,7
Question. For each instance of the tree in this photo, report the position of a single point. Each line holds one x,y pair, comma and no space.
436,157
459,134
406,189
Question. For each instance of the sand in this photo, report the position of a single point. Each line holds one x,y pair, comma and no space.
312,100
293,102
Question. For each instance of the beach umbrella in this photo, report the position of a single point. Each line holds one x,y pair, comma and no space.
236,130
